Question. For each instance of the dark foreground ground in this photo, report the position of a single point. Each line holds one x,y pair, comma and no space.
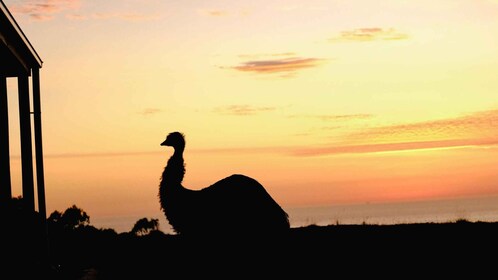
461,249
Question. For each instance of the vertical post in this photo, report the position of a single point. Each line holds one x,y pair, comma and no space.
26,145
40,177
5,180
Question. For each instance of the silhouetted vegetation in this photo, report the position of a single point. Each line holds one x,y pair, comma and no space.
71,219
77,248
145,226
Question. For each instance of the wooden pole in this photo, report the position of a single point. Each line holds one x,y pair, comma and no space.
5,180
26,145
40,177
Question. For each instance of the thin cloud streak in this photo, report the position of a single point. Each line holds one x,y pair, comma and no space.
479,124
304,151
131,17
287,66
125,16
369,35
42,10
87,155
393,147
222,13
242,110
214,13
475,129
346,117
258,56
242,150
150,111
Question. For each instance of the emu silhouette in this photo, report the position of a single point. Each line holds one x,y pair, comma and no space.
234,205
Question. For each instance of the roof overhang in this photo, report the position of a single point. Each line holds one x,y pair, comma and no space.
17,55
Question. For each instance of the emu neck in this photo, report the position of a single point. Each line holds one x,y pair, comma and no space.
174,171
178,152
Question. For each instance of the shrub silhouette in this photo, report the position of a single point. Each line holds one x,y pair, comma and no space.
145,226
72,218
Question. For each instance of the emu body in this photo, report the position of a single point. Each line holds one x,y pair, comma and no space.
236,204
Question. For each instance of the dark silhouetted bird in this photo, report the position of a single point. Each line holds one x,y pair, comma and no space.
236,204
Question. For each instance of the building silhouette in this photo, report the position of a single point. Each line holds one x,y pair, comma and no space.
19,60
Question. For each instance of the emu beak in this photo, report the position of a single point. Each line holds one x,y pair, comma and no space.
163,143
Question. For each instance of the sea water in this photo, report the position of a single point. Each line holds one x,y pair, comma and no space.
483,209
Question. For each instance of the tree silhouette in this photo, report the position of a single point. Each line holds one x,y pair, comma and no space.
72,218
55,217
144,226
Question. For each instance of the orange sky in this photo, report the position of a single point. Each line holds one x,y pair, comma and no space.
324,102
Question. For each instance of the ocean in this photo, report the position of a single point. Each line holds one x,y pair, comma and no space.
483,209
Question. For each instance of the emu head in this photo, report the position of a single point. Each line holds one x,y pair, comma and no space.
175,140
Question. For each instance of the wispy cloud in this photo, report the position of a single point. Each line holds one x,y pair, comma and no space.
475,129
391,147
223,12
285,67
242,110
214,13
125,16
261,55
477,124
76,17
41,10
335,122
369,35
44,10
302,7
150,111
88,155
346,117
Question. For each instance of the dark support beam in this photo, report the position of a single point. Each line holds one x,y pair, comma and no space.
40,178
26,145
5,181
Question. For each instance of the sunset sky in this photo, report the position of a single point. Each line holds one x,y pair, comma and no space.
323,102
